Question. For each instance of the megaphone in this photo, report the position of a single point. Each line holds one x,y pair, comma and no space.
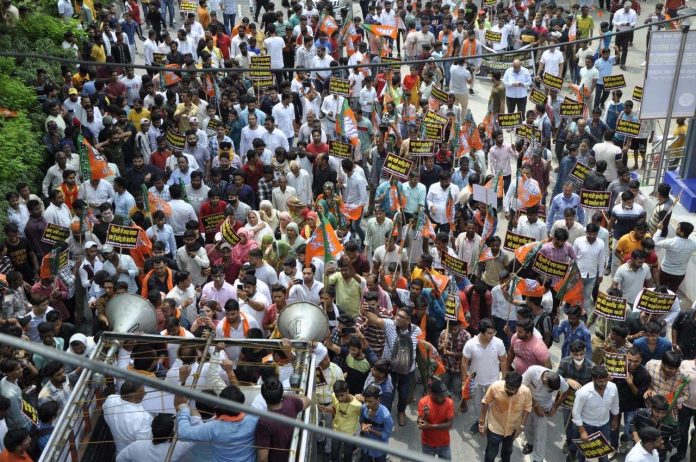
129,313
303,321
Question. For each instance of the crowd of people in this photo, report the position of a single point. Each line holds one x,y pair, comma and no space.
239,205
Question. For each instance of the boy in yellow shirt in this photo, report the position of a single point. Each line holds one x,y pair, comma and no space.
346,416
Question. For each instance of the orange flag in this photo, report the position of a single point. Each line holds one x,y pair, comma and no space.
569,289
328,25
486,254
352,212
528,191
323,243
381,30
92,164
157,203
530,288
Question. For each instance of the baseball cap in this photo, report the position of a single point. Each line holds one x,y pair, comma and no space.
72,91
437,387
108,248
107,120
144,121
193,119
90,244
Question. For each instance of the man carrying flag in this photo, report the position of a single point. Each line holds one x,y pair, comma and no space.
561,251
526,193
441,196
346,124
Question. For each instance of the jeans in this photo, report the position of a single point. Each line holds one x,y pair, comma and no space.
536,431
587,288
164,4
494,442
477,393
402,385
590,429
356,228
342,452
686,415
622,41
500,333
519,103
442,452
453,381
229,20
601,95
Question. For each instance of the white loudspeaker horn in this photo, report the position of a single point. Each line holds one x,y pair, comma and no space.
128,313
303,321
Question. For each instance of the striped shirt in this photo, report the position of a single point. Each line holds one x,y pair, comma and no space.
678,251
391,337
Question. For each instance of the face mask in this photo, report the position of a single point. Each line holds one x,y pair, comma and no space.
578,361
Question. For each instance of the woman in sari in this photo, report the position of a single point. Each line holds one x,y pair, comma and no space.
310,225
329,201
269,215
292,236
240,251
274,252
258,227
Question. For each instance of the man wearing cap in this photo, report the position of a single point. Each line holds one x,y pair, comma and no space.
142,139
120,266
72,102
435,418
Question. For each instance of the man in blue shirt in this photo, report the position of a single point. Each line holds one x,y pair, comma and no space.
376,423
652,346
561,202
572,329
604,65
232,434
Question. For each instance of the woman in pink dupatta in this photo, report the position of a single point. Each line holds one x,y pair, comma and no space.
240,251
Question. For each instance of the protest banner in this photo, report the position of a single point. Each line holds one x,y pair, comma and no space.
547,267
616,365
571,109
339,86
569,400
434,131
513,241
579,171
191,7
228,233
159,58
596,446
30,412
53,234
340,149
451,307
454,265
529,133
489,3
569,100
551,81
439,95
655,302
492,61
609,307
597,200
63,259
537,97
175,140
493,37
420,148
397,166
614,82
387,63
637,94
628,128
260,73
214,124
432,116
509,121
122,236
211,223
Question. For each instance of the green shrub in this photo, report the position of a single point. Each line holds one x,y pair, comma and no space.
40,26
14,94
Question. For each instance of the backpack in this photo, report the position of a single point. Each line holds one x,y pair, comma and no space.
402,352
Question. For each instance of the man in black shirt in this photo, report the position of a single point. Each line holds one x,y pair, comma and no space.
470,12
429,172
684,334
631,391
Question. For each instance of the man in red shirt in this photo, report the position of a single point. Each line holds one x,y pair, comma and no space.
222,41
212,206
435,418
316,147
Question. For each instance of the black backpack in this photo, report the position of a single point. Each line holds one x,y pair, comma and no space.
402,352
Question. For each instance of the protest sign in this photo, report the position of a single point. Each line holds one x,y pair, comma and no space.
529,133
547,267
122,236
159,58
420,148
655,302
260,73
433,131
616,365
439,95
579,171
537,97
432,116
493,37
175,140
596,446
628,128
598,200
454,265
340,149
211,223
63,259
509,121
609,307
513,241
228,233
569,400
552,82
451,307
485,195
340,87
492,61
397,166
571,109
191,7
53,234
614,82
637,94
30,412
214,124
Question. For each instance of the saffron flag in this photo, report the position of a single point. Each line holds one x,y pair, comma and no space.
346,125
436,280
424,227
328,25
92,165
569,289
450,209
397,201
490,223
526,254
380,30
155,202
496,183
469,139
323,243
528,191
486,254
529,288
352,212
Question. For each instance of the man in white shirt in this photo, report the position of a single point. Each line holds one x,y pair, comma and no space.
284,115
624,21
95,193
500,157
126,417
591,260
300,180
530,225
485,356
440,199
120,266
156,449
517,80
459,81
281,193
678,252
548,392
646,449
306,53
551,60
632,276
321,60
570,224
274,48
249,134
57,212
181,213
54,174
504,30
252,302
596,408
309,290
355,193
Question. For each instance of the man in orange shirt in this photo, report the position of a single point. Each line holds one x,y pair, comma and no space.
435,418
203,14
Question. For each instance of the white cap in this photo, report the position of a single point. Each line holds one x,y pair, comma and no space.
90,244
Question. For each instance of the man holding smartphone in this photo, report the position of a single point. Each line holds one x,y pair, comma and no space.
624,21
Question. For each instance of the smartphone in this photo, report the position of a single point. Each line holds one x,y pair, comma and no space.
240,286
348,330
297,281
